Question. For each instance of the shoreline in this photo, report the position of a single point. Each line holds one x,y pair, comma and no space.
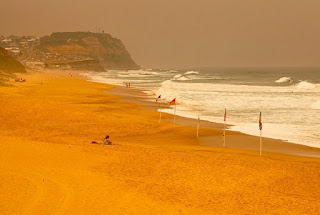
293,125
272,145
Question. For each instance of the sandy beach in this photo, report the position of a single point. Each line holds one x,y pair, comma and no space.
49,166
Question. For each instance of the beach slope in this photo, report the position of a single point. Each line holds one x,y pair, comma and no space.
49,166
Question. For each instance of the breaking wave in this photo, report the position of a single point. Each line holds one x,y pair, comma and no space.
191,73
180,77
176,77
284,80
307,85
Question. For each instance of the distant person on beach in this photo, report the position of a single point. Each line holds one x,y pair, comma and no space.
107,141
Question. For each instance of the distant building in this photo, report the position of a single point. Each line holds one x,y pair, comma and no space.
13,50
7,40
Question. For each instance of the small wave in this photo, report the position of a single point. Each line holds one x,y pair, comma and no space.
183,78
180,77
137,74
149,73
171,71
191,73
284,80
307,85
177,76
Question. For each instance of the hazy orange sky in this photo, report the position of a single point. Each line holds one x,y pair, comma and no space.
183,33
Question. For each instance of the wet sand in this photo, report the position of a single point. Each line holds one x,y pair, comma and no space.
236,140
48,165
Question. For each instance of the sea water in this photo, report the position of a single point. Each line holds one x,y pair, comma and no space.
289,98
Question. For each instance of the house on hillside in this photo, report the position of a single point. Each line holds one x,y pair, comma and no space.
7,40
13,50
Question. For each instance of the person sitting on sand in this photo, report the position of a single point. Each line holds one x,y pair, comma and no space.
107,141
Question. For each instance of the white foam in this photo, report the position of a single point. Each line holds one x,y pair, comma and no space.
307,85
183,78
316,105
191,72
284,80
286,115
177,76
172,71
286,132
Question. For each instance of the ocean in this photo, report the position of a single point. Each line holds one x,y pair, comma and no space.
289,98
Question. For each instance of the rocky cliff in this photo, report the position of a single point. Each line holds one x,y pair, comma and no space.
84,50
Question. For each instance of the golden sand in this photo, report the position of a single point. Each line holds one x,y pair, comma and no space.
48,166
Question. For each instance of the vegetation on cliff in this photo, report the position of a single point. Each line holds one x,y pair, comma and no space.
8,64
86,49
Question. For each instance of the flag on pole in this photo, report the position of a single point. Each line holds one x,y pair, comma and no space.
260,123
173,102
260,127
159,98
225,114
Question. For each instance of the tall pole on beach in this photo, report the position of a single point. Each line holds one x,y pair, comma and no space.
260,142
224,128
173,102
160,111
159,99
260,127
198,125
174,119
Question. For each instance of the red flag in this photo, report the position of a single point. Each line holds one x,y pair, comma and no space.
225,114
173,102
260,123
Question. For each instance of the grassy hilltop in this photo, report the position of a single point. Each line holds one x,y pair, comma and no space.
8,66
85,50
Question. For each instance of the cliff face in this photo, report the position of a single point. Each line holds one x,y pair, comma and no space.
8,64
85,50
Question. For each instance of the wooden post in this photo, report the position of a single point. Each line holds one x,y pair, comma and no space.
198,125
224,128
160,111
224,135
260,142
174,117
